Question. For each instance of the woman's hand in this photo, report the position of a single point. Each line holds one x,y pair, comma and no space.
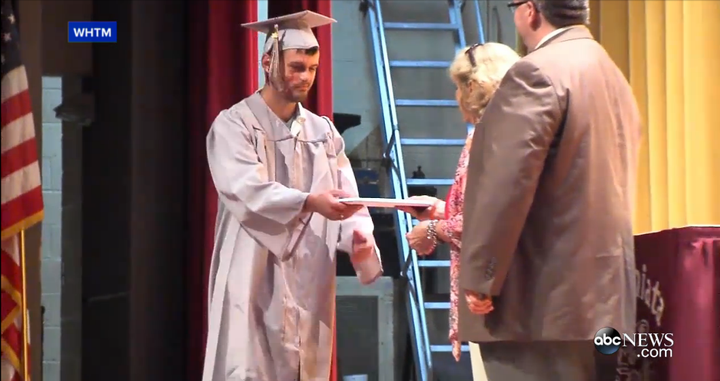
434,212
418,240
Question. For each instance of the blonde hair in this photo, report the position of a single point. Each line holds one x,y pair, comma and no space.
477,83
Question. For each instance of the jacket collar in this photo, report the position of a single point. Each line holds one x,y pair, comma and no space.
575,32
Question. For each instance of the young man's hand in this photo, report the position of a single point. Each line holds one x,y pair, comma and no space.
363,246
327,205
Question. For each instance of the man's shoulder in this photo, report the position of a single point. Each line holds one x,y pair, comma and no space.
235,111
237,106
230,117
525,69
545,59
320,123
560,56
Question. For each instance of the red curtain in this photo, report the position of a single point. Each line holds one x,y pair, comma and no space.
223,69
321,97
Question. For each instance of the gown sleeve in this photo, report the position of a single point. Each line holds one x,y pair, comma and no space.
370,268
268,211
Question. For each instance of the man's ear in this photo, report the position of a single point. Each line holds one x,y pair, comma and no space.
266,62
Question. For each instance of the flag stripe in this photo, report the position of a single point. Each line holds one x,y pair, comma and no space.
14,83
15,107
11,280
18,131
12,336
19,181
8,371
18,213
18,158
9,316
11,285
12,322
10,353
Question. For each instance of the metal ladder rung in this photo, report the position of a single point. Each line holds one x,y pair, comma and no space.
420,26
448,348
421,64
436,182
426,102
433,263
432,142
437,305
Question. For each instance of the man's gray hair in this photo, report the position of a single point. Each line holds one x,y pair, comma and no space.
562,13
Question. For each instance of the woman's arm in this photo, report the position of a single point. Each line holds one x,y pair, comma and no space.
435,212
450,230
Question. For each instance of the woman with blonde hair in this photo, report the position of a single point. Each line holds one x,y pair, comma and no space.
476,72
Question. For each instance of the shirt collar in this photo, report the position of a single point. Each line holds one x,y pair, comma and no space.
299,120
551,35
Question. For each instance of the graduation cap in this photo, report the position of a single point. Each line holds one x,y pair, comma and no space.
293,31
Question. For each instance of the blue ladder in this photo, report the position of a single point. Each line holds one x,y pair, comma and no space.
393,156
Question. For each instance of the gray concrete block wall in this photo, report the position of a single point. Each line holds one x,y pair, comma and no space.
51,270
61,241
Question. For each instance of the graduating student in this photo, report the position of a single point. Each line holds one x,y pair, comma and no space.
279,170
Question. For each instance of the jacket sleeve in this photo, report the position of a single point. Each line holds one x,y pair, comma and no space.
507,157
269,211
370,268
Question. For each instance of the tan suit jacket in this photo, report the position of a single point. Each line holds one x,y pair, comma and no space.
549,198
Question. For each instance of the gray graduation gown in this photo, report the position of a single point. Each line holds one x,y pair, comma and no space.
272,277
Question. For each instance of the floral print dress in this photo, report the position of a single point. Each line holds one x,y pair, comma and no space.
453,228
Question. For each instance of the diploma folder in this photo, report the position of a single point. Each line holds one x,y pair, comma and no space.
385,202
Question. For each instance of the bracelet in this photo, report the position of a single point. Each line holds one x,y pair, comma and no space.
431,234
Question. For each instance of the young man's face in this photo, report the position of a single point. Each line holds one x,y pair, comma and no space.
299,75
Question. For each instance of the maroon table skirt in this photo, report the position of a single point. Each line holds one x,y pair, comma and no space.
679,278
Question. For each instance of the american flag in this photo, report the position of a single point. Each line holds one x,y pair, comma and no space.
22,204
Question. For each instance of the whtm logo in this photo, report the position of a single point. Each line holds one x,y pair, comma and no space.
92,31
646,344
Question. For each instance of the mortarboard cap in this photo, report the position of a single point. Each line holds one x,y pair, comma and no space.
293,31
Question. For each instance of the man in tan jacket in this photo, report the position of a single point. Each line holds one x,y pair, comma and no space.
547,253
